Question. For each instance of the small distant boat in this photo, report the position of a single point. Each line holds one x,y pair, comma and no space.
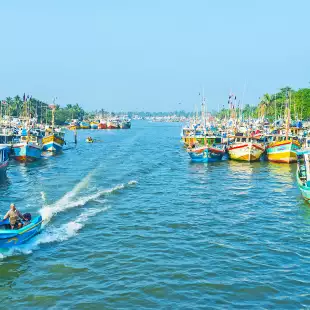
125,123
303,173
89,140
246,149
74,127
4,158
28,148
212,151
94,125
113,124
102,125
13,237
84,125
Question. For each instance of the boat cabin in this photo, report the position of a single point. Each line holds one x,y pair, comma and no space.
4,154
274,138
244,139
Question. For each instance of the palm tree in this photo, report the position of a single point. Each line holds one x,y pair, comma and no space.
264,105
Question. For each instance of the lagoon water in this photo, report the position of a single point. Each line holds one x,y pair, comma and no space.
130,223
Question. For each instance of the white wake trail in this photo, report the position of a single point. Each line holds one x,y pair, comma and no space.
70,200
67,230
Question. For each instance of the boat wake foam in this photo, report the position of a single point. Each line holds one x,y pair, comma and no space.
70,200
68,230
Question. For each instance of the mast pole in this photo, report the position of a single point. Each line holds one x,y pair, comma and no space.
288,115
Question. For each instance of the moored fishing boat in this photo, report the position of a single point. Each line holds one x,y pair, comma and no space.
4,158
84,125
125,123
7,136
28,148
113,124
246,149
282,149
303,172
54,139
102,125
94,125
212,151
13,237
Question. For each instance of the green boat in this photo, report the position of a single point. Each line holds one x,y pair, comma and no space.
303,173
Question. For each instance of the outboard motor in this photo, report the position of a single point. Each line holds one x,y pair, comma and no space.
27,216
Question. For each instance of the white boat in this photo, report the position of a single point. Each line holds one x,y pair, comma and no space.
246,149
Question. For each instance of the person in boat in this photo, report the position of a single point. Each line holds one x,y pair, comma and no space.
90,139
14,216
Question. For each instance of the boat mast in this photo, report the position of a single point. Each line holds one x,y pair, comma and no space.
288,116
275,109
53,114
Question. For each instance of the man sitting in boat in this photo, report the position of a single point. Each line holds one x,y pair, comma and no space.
14,216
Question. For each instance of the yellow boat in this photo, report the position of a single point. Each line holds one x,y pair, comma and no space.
73,127
282,150
89,140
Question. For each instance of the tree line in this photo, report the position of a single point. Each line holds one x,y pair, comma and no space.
32,107
273,106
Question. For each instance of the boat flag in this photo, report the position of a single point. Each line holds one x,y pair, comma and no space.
3,102
52,106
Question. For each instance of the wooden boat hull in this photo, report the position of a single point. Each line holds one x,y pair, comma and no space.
27,152
246,152
282,151
53,143
13,237
206,154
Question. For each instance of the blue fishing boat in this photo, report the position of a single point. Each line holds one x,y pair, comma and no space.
84,125
13,237
54,138
213,150
303,173
94,125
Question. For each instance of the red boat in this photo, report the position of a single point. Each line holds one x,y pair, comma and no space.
102,126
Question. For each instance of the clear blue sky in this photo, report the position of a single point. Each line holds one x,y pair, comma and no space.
152,54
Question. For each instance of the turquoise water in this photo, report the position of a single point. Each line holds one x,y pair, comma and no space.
130,223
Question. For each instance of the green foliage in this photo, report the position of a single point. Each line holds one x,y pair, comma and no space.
272,106
15,107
